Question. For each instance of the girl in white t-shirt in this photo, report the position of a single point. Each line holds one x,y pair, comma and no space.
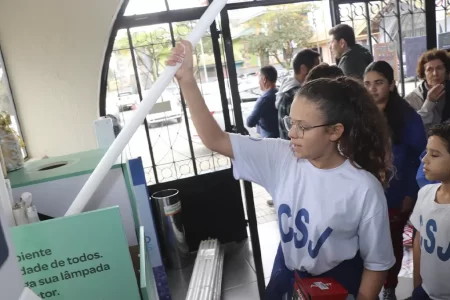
326,182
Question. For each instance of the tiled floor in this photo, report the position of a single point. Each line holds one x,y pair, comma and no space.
264,213
239,277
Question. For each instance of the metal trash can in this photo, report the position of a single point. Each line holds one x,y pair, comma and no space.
168,208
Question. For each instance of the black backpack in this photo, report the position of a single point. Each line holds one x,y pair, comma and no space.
284,109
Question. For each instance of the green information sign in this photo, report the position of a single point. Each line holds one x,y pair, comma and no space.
78,257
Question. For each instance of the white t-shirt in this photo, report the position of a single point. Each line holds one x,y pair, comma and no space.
432,220
324,216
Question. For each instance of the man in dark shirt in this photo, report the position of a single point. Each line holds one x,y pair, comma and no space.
264,115
351,57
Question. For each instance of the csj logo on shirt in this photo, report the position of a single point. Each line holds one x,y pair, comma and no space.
301,220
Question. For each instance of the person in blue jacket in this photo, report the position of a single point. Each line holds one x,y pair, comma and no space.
265,115
408,141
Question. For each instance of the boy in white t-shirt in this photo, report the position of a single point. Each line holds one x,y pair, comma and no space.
431,219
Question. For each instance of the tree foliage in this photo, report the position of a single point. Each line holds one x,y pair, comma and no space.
152,47
277,33
4,94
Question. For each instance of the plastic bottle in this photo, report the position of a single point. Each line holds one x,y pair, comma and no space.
32,214
19,212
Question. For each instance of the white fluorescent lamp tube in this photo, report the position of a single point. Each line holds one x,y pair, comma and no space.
146,105
218,283
206,280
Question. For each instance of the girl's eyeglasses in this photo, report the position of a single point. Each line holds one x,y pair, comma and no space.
299,129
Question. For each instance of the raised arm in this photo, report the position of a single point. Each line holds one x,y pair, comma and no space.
207,128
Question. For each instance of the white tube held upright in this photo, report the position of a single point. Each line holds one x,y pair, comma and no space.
146,105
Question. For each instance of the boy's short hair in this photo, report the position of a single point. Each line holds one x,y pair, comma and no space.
324,70
305,57
443,131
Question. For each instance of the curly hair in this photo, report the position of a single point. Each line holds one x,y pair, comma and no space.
324,70
365,140
429,56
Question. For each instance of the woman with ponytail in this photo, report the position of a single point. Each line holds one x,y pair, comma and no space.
326,182
408,140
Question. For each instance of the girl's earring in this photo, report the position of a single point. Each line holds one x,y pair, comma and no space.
340,149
